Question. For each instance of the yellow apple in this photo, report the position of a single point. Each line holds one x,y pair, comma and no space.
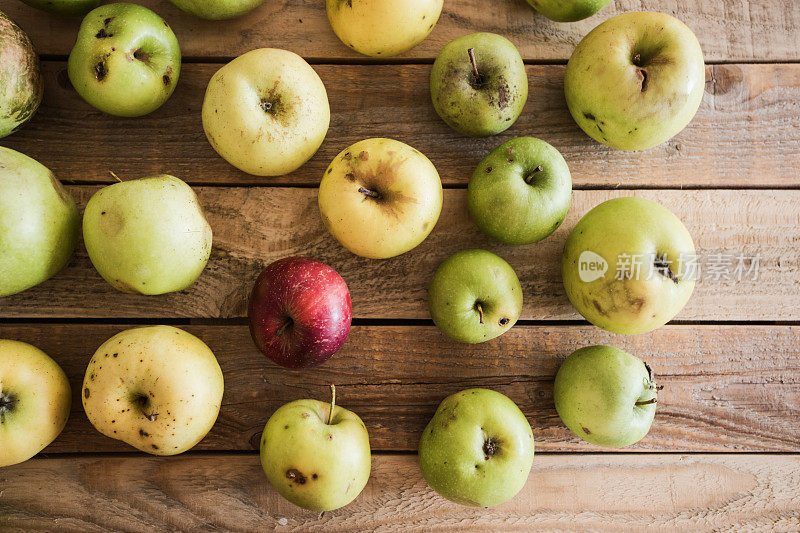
383,27
34,401
156,388
380,198
266,112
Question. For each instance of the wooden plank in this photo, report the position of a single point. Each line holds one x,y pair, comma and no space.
255,226
731,30
564,492
726,388
745,134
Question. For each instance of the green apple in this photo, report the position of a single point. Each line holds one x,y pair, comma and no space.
72,8
34,401
568,10
157,388
147,236
605,396
475,296
20,77
316,455
125,61
477,450
479,85
383,27
520,192
39,223
380,198
636,80
627,265
266,112
217,9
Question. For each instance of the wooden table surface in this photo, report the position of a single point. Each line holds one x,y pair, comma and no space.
724,450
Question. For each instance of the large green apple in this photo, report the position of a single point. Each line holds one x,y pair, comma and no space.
520,192
380,198
20,77
606,396
157,388
568,10
34,401
64,7
316,455
266,112
627,265
479,84
147,236
477,450
125,61
383,27
475,296
39,223
636,80
217,9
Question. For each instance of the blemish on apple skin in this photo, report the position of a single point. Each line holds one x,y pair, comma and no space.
86,392
586,430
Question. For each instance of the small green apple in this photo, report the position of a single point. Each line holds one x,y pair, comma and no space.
125,61
217,9
266,112
383,27
20,77
316,455
147,236
39,223
72,8
479,84
477,450
34,401
520,192
157,388
626,265
380,198
605,396
568,10
636,80
475,296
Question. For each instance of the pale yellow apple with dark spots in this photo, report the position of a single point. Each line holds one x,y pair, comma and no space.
266,112
34,401
156,388
383,28
380,198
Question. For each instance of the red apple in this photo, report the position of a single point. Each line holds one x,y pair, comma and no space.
300,312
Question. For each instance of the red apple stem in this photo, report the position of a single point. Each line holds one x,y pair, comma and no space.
333,403
471,53
536,170
648,402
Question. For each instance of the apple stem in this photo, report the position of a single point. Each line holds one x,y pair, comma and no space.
368,192
114,176
536,170
478,79
648,402
480,310
333,403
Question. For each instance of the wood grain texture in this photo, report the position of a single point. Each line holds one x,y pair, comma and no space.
730,30
744,135
577,492
726,388
255,226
